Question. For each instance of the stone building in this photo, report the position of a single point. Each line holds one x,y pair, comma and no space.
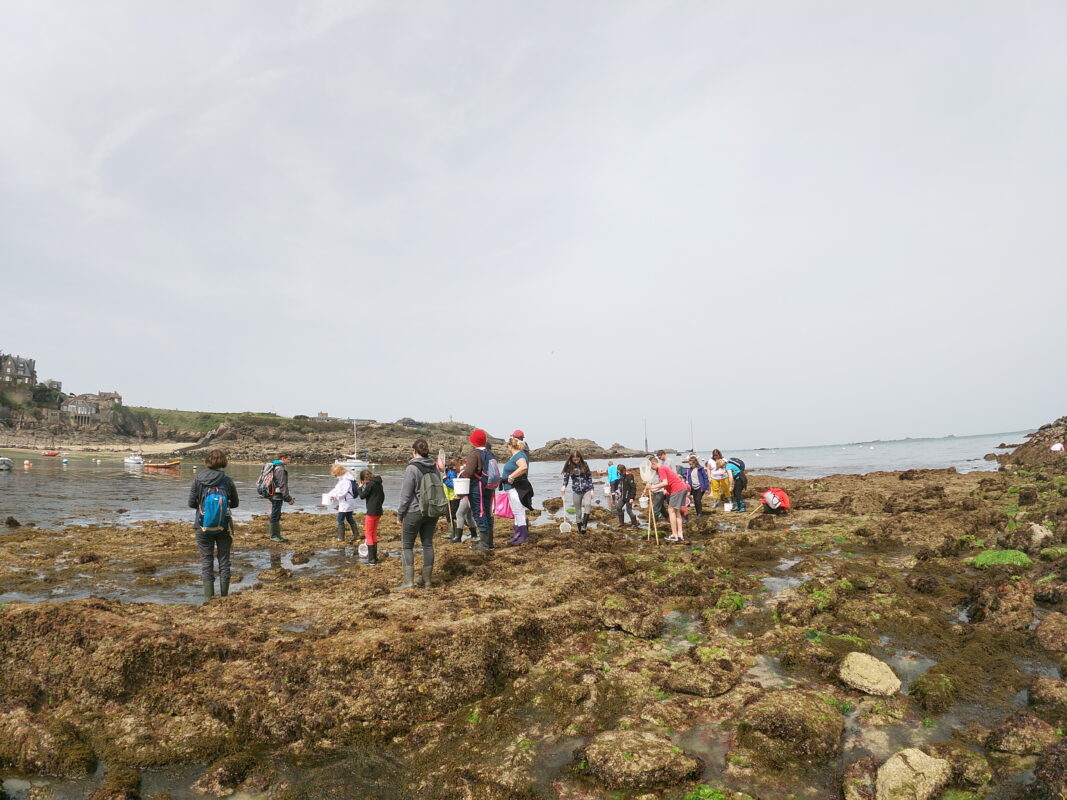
16,371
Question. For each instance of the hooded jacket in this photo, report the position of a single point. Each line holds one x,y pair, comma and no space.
374,494
409,491
210,477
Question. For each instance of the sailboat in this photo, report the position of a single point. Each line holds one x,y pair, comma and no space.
352,461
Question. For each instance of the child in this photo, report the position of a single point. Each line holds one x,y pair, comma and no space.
720,482
627,493
676,493
370,490
341,494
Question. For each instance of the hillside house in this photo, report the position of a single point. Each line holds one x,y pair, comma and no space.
17,371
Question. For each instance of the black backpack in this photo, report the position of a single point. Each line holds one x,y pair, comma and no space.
737,461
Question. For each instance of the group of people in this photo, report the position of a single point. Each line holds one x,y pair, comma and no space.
470,492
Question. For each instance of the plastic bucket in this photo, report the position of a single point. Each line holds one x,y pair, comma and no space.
727,506
643,502
607,490
363,549
461,485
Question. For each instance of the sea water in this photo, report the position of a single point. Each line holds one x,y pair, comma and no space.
52,494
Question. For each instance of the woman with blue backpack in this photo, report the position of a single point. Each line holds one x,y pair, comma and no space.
213,494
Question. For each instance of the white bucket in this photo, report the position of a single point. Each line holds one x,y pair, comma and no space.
727,506
363,549
607,490
461,485
643,502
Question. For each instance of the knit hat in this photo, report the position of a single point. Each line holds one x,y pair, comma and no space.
518,434
478,437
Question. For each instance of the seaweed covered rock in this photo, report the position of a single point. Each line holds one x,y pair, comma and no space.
710,672
869,675
912,775
1050,774
619,613
1022,734
1051,633
1004,605
787,726
637,760
969,768
934,690
1048,698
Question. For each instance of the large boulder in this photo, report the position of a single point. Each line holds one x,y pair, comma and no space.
637,760
866,673
1051,633
912,775
710,672
788,726
1022,734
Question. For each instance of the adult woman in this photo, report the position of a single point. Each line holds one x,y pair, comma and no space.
517,466
342,494
370,490
697,478
576,472
412,521
676,491
212,486
627,493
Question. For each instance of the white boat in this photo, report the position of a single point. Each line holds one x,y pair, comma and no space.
134,460
352,461
6,463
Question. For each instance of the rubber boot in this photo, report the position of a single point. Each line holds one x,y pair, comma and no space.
521,534
427,567
340,531
457,534
372,554
276,532
224,585
407,563
209,589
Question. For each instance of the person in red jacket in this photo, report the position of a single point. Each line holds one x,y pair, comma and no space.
775,501
676,492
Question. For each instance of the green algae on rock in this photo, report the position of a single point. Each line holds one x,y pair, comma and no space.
790,726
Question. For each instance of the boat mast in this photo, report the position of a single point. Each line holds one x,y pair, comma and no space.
646,435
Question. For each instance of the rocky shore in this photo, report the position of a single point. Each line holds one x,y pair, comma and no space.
898,635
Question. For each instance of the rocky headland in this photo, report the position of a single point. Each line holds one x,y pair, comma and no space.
898,635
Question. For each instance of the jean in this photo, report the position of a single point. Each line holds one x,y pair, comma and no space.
698,497
482,508
276,508
415,524
350,518
657,505
628,507
740,484
211,545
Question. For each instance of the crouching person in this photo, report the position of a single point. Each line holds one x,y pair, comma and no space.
213,494
775,501
422,503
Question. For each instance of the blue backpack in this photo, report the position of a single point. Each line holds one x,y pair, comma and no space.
214,509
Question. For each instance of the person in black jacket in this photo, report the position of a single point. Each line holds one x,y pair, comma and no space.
627,494
370,489
217,544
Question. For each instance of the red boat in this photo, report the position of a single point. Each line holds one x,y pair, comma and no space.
162,465
50,453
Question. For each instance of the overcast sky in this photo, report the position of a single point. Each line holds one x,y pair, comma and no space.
793,222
